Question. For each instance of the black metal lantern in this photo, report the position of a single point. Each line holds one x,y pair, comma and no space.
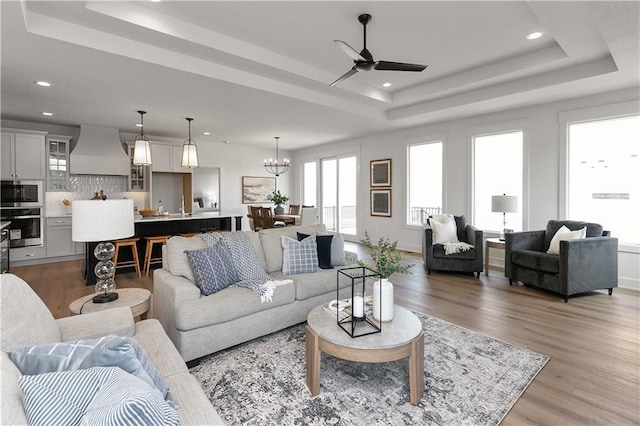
358,320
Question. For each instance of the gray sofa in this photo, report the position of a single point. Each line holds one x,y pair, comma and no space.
582,265
434,256
26,321
200,325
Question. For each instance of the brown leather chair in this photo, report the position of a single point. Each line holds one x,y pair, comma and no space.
256,215
294,209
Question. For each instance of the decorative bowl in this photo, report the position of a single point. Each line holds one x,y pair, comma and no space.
147,212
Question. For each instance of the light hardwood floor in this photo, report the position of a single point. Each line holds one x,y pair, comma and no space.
593,376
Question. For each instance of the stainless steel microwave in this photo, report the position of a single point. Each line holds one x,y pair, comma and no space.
22,193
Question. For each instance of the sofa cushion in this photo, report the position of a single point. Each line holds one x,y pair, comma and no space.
299,257
593,229
313,284
227,305
98,395
176,257
213,268
323,243
536,260
438,251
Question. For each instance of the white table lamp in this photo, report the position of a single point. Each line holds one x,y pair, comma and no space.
504,204
103,221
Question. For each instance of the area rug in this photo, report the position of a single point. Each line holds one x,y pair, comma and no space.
470,379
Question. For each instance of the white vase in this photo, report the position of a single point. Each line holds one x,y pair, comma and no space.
383,309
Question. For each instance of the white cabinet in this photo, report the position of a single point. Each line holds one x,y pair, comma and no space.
167,158
58,238
57,162
22,155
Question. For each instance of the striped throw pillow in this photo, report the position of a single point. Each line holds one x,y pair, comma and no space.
98,395
213,268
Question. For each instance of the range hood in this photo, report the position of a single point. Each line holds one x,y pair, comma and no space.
99,152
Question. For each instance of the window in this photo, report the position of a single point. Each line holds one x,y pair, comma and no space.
339,188
309,187
498,170
604,171
425,181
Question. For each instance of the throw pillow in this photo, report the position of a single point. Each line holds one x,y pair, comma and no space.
564,234
97,395
107,351
299,257
338,257
444,231
323,243
177,259
213,268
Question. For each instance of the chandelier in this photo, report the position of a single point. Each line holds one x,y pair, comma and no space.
276,168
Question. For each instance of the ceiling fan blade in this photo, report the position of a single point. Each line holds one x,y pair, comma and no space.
350,51
398,66
345,76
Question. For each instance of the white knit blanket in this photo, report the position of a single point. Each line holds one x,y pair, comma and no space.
457,247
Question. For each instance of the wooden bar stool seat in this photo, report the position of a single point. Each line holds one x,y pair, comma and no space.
127,242
148,260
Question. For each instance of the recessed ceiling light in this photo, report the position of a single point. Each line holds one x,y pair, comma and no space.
387,84
139,125
47,114
226,141
43,83
206,133
534,35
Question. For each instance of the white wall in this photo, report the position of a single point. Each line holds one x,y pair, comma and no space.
542,170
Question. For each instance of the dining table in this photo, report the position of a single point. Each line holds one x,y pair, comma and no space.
288,219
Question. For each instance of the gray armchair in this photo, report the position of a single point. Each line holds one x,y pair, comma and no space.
435,258
583,265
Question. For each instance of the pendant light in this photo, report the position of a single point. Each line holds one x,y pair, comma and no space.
189,150
141,148
276,168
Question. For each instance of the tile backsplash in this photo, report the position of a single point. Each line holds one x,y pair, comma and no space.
84,187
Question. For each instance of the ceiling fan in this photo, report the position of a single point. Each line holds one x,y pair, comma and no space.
364,60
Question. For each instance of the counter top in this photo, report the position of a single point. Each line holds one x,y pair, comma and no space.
178,216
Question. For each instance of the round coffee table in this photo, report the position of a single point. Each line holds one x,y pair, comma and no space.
138,299
400,338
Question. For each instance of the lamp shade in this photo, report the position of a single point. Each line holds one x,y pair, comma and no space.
141,153
101,220
504,203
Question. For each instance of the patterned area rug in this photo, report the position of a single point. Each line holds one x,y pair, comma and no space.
470,379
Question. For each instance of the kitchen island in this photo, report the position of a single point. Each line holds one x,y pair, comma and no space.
173,224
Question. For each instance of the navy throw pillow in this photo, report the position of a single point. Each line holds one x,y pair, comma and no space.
324,249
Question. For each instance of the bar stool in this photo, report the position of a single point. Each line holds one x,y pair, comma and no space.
148,260
127,242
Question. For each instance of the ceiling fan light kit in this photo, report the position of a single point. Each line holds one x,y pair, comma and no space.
364,61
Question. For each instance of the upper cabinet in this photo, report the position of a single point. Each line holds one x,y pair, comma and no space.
22,155
167,158
137,173
57,162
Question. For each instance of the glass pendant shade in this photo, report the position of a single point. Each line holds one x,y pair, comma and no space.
189,151
141,147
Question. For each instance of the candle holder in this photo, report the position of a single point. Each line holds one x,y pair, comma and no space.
359,322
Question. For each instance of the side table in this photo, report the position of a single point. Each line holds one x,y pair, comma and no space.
138,299
491,243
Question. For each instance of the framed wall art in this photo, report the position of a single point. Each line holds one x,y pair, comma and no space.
257,189
380,173
381,202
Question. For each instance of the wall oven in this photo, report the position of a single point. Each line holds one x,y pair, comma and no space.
21,193
26,228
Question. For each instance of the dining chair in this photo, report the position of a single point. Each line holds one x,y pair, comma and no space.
309,215
256,215
294,209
